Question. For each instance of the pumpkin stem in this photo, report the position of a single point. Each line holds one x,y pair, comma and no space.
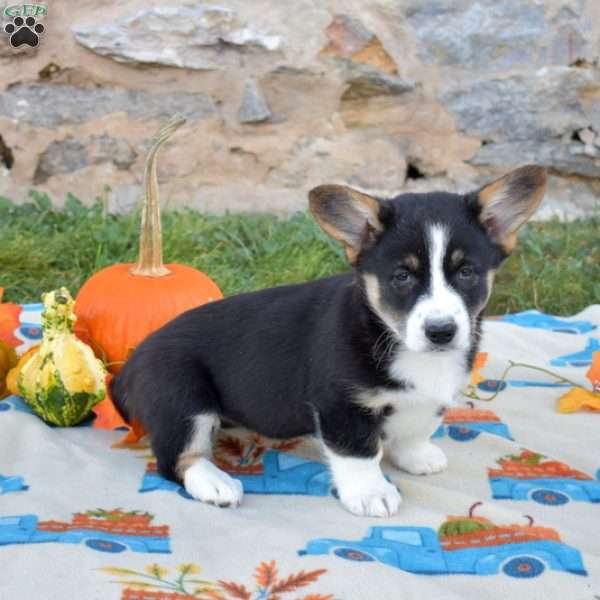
150,260
473,507
57,316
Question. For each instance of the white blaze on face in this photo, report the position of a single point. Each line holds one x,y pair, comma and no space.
441,302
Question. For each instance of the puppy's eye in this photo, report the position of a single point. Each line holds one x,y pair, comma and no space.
401,276
466,272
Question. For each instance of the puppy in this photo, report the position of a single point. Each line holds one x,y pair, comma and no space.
366,360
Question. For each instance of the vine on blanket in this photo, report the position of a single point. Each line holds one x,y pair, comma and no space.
158,583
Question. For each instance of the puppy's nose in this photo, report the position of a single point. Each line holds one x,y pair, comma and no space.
440,331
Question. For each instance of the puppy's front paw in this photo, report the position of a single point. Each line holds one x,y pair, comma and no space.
204,481
423,459
379,499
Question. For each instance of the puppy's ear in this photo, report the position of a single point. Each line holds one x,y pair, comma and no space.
347,215
507,203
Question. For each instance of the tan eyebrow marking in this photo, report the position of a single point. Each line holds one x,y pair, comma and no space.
457,257
412,262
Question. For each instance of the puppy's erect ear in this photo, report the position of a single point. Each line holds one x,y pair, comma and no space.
346,215
508,202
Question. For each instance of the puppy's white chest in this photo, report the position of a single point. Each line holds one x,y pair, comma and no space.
434,377
431,381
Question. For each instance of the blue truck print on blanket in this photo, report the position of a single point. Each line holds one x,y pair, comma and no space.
278,473
465,424
539,320
422,551
30,325
497,385
14,483
15,403
552,492
578,359
115,531
532,476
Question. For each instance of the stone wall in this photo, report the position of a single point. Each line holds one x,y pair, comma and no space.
384,95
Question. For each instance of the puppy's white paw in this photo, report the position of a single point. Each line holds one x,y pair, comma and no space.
205,481
378,499
423,459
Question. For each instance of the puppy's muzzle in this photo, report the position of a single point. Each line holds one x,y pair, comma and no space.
440,331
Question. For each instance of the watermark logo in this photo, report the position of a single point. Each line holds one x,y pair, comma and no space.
24,28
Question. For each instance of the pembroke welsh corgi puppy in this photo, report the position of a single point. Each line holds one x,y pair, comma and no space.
366,360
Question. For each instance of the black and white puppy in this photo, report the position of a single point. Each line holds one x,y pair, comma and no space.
364,360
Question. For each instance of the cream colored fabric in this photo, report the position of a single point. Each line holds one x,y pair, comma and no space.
252,551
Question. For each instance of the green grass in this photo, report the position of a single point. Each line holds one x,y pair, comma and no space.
556,267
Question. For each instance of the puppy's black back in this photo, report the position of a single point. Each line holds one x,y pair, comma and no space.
324,356
249,358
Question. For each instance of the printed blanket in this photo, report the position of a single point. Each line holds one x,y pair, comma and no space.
516,514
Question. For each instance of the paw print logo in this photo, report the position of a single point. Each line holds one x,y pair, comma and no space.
24,31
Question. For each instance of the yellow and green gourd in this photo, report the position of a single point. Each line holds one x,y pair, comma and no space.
63,380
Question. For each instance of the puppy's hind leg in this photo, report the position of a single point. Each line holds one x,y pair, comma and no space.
201,478
172,395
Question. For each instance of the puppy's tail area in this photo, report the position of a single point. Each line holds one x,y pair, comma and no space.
119,396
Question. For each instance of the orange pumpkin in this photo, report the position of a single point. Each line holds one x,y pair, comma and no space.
9,322
121,305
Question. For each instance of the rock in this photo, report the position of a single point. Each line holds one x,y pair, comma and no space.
587,136
538,106
70,154
529,119
375,164
584,149
350,40
124,199
366,82
192,37
7,158
108,149
491,35
53,105
564,158
362,60
65,156
254,107
593,114
347,36
459,90
570,198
